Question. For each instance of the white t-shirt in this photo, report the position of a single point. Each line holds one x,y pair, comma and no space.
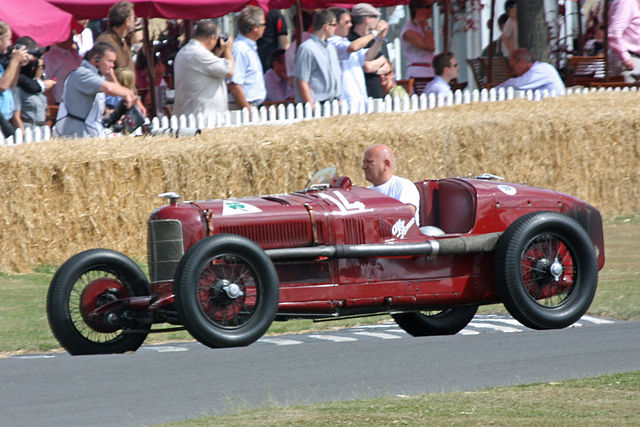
403,190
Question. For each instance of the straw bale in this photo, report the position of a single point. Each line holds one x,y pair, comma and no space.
63,196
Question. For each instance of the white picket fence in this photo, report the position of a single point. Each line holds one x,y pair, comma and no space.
291,113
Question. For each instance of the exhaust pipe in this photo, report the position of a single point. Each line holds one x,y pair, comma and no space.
451,246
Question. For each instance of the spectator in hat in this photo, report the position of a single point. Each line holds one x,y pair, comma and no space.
365,20
417,41
355,59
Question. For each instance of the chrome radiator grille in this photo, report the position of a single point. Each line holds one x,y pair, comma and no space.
165,247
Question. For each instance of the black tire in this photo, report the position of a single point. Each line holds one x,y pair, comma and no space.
87,273
226,291
427,323
546,270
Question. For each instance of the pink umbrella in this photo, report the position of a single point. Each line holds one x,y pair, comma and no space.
170,9
45,23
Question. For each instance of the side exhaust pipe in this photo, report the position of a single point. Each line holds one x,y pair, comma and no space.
444,246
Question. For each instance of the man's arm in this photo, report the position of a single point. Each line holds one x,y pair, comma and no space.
238,94
19,57
305,91
375,65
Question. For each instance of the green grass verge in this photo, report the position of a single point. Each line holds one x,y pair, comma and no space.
24,326
610,400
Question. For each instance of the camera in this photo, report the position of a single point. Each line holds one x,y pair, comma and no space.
35,52
132,120
222,38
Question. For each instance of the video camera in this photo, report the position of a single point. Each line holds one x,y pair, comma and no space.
132,120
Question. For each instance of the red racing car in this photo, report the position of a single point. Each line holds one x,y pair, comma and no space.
226,269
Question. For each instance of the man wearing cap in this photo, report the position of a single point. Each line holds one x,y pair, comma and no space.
354,59
364,18
317,69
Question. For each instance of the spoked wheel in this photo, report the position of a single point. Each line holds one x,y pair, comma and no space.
227,291
83,296
546,270
443,322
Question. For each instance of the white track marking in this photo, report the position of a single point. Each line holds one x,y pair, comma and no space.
381,335
334,338
494,327
596,320
279,341
166,348
466,331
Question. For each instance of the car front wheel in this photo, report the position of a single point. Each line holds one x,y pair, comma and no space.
546,270
226,291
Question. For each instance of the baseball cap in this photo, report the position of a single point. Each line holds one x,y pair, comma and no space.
364,9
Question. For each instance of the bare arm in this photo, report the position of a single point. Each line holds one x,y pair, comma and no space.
239,95
9,79
305,91
226,51
421,41
16,120
374,65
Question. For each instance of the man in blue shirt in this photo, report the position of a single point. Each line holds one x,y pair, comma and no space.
317,69
446,68
9,77
247,83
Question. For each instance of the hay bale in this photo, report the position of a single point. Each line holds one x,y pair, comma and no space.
61,197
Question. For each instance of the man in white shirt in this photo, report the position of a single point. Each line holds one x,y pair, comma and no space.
247,84
532,75
446,68
378,165
355,59
199,74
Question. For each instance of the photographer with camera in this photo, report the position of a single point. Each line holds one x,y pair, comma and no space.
83,99
200,74
9,76
30,101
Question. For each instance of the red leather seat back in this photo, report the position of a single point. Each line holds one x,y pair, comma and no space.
456,206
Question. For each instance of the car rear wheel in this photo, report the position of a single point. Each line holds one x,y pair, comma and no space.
445,322
85,282
226,291
546,270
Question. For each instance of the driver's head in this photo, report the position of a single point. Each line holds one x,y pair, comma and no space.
378,164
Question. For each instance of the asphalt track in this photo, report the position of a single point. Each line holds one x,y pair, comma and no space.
187,380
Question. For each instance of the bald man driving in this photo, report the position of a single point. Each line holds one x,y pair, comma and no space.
378,165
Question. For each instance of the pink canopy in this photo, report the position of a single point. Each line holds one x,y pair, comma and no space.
170,9
45,23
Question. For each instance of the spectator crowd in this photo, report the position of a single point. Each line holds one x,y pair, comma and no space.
93,77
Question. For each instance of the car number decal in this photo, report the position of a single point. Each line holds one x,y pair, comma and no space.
508,190
400,229
342,203
232,207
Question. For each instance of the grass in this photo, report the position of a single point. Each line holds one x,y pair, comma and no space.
610,400
24,327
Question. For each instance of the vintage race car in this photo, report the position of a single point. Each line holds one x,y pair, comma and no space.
226,269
